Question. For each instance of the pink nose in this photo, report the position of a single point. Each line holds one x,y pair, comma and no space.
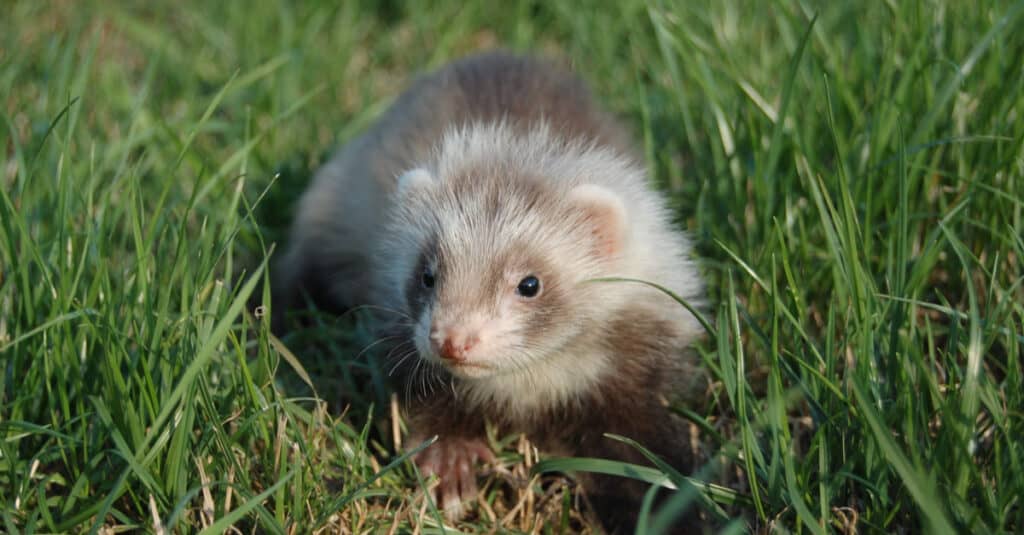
454,346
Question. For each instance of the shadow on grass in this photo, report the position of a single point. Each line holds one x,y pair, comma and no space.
336,351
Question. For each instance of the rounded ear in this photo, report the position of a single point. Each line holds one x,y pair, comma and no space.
605,217
413,180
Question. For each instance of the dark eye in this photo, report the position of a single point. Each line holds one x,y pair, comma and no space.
528,287
427,278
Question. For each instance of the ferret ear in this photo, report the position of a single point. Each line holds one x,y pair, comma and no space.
605,217
414,180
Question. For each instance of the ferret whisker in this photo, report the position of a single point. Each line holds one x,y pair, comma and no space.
375,343
412,379
383,308
422,375
449,227
401,360
407,349
436,380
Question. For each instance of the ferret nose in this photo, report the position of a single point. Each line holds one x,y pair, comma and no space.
452,346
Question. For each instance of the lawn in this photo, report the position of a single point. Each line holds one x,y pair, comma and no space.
851,172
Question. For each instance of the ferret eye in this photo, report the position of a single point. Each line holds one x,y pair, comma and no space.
427,278
528,287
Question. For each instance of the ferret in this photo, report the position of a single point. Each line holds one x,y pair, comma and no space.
475,216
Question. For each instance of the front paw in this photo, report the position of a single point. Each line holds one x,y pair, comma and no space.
452,460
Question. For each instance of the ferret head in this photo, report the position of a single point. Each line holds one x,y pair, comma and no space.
492,263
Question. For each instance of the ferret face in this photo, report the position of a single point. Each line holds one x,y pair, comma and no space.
495,284
487,316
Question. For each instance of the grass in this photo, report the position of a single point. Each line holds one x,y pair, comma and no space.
852,173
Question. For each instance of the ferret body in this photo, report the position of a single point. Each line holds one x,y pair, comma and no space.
475,216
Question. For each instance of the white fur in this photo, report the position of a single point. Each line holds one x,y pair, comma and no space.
558,381
413,180
657,250
567,362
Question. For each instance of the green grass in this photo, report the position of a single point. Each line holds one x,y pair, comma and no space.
852,173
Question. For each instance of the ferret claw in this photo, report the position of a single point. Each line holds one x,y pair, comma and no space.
452,460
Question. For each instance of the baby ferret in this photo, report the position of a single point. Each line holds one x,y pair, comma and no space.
474,216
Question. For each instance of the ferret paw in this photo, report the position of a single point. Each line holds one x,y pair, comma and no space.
452,460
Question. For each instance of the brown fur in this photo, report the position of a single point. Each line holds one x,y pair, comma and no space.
629,403
330,242
338,225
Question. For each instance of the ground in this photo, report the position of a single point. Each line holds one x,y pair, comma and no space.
852,175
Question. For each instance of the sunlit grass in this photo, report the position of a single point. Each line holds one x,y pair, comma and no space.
852,174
